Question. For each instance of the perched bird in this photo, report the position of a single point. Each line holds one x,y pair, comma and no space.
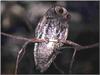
52,26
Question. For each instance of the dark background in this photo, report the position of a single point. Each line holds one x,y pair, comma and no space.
20,18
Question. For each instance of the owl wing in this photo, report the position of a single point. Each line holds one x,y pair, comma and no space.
40,26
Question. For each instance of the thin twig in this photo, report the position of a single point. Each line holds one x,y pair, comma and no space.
23,38
77,46
65,47
88,46
62,72
19,58
69,42
72,61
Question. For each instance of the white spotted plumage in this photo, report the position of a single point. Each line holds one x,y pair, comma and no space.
52,26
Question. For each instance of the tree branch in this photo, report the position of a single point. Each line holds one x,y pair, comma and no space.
67,42
20,55
77,46
74,45
23,38
72,61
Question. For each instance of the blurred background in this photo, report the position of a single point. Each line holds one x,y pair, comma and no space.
21,17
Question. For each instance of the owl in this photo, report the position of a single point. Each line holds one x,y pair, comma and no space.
52,26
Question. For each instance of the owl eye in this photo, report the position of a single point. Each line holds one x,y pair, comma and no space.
60,10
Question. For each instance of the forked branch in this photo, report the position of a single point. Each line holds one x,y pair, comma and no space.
79,47
74,45
67,42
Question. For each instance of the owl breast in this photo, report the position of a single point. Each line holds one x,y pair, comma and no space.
45,53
